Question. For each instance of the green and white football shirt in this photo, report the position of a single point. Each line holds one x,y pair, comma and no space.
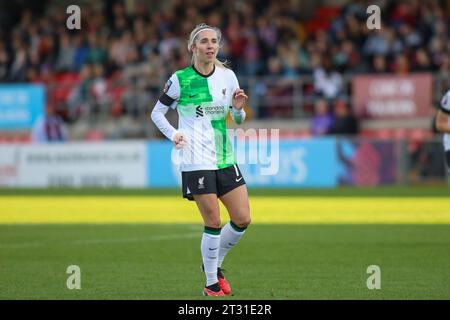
203,103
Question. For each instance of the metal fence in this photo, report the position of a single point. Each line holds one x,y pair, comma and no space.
121,109
269,96
294,97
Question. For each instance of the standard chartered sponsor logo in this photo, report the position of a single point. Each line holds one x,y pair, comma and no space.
201,111
214,109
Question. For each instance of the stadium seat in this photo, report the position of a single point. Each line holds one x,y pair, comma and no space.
322,19
61,86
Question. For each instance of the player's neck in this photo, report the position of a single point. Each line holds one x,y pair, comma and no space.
204,68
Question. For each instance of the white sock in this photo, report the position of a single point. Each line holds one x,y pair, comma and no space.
228,239
210,254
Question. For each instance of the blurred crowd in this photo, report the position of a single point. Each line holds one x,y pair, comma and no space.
139,49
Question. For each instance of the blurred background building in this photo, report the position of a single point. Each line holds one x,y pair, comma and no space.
311,68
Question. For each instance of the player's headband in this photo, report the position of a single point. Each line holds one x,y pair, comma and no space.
196,34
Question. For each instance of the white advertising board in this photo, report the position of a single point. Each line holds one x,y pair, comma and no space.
111,164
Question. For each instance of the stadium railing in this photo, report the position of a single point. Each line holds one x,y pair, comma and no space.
122,109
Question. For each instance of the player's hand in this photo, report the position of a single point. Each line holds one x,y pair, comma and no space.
239,99
179,140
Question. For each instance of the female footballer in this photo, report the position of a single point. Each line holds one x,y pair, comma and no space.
203,94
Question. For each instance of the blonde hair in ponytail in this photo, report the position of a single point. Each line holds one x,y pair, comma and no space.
193,37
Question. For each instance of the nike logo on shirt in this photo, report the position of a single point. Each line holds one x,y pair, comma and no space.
238,179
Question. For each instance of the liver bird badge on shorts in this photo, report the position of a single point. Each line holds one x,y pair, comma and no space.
201,184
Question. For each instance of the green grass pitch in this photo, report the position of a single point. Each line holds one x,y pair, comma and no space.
149,257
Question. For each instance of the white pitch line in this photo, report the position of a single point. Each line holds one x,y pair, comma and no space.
21,245
105,241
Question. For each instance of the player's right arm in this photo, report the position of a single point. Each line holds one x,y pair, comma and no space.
168,100
443,115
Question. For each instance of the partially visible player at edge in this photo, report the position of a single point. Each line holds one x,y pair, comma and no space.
203,94
443,125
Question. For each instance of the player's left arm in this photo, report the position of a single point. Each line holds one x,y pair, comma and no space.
238,101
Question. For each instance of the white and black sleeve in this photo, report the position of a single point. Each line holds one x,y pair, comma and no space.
168,99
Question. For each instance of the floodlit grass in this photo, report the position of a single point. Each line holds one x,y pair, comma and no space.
155,209
301,245
151,261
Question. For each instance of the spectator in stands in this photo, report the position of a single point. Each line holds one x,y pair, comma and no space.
264,38
18,67
444,68
347,59
49,128
382,42
421,61
96,53
437,51
121,48
99,88
271,92
402,65
267,33
343,121
290,55
379,64
65,60
81,51
322,120
252,56
80,95
4,59
327,82
251,31
409,37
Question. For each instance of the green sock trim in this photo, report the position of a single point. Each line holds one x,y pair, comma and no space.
235,227
213,231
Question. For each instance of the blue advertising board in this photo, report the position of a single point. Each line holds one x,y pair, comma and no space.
290,163
161,170
20,106
301,163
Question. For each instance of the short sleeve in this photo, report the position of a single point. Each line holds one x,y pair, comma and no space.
445,103
171,92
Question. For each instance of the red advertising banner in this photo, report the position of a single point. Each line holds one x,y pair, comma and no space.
392,96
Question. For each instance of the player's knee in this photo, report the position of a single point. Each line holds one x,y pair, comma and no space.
244,222
213,223
213,220
247,222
